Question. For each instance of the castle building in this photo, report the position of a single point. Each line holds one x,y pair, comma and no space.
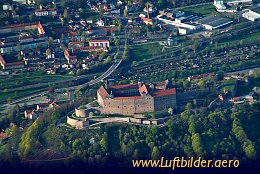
136,98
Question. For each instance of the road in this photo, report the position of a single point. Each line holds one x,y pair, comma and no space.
245,71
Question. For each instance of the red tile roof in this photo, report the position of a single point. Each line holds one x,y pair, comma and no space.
17,25
15,64
127,86
3,135
163,92
143,89
68,56
70,43
98,41
73,34
43,104
28,111
128,98
88,48
146,19
25,37
102,92
12,124
236,99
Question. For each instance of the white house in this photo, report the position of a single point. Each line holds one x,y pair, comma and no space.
252,14
102,43
31,114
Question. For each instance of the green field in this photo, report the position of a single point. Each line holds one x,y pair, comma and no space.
244,38
146,51
200,10
15,81
243,90
228,85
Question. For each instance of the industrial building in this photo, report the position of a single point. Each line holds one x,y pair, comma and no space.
179,19
252,14
214,22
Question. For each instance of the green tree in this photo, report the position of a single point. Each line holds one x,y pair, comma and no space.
249,150
155,153
104,142
78,145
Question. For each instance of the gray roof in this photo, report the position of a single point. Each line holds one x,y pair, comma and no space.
215,21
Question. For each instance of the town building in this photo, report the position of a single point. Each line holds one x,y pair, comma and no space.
31,114
147,20
239,2
136,98
71,59
21,1
7,6
219,5
214,22
46,12
179,19
171,41
11,65
102,43
252,14
16,40
40,109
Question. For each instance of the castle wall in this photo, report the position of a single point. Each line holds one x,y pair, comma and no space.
77,123
81,112
129,106
100,100
165,102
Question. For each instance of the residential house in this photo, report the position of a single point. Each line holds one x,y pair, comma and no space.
102,43
31,114
70,59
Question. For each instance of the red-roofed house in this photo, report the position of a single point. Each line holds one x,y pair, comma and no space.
42,107
3,135
13,65
89,49
31,114
70,59
76,44
147,20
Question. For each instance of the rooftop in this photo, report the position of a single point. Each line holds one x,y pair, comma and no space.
215,21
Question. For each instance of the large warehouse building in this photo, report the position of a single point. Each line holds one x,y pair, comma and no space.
136,98
252,14
214,22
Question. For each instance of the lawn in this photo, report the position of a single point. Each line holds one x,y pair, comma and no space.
6,95
33,77
244,38
145,51
228,85
204,10
243,90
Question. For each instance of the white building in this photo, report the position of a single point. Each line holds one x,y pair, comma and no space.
21,1
100,23
8,7
46,12
179,22
237,2
183,31
214,22
252,14
219,4
102,43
